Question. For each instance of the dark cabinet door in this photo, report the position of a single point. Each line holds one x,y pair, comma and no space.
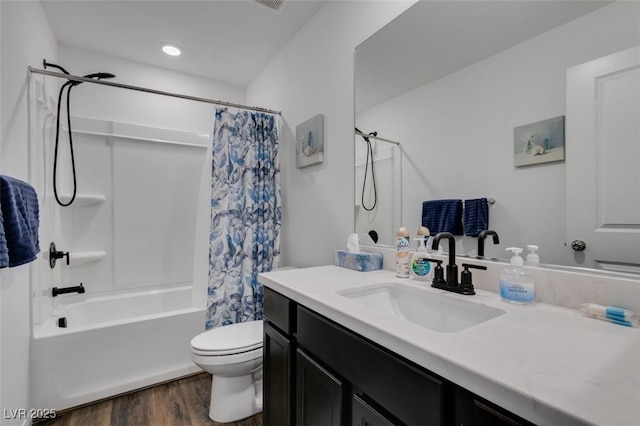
277,378
364,414
319,396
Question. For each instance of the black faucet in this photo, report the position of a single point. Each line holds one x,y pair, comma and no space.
452,268
63,290
484,234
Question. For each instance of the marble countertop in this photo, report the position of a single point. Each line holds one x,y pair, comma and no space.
548,364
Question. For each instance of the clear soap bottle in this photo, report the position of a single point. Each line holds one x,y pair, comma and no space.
516,283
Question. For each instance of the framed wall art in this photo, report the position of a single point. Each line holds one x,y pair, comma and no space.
540,142
310,142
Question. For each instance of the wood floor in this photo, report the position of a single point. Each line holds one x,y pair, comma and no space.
183,402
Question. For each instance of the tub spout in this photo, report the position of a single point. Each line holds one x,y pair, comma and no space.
63,290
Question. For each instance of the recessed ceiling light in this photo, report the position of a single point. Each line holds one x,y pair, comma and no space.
171,50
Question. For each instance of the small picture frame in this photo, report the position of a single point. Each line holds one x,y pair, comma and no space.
540,142
310,142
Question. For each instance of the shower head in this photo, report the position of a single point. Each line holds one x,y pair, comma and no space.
374,134
95,76
100,75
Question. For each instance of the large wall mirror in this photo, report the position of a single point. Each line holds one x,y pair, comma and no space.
451,81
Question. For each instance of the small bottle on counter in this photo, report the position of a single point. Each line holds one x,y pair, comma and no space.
402,253
516,283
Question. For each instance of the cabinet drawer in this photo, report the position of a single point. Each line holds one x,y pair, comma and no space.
473,410
410,394
278,310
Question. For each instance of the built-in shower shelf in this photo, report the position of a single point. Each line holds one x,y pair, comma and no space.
81,257
83,200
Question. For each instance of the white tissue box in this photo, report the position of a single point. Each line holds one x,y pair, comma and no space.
361,261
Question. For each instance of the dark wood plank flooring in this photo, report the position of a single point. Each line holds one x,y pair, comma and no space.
183,402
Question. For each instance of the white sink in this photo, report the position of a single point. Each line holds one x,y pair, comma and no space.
431,310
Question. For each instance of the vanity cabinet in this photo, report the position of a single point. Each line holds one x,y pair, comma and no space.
317,372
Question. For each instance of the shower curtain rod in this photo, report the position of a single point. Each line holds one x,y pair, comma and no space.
377,137
146,90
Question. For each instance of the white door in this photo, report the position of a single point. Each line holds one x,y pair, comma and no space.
603,161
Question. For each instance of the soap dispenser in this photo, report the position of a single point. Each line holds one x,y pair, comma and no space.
532,257
423,232
516,283
420,263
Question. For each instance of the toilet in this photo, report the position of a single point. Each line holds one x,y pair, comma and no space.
232,354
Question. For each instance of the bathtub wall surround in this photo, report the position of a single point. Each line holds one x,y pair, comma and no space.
560,286
129,229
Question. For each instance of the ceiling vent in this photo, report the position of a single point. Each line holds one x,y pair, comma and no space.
273,4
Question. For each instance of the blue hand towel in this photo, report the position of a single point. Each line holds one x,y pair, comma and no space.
442,216
20,214
4,251
476,216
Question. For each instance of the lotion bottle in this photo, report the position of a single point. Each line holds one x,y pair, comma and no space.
421,269
402,253
516,283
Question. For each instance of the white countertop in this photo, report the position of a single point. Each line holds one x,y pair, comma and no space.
548,364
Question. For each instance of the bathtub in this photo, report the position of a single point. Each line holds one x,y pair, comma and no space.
112,344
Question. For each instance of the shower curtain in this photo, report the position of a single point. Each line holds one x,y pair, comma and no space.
244,237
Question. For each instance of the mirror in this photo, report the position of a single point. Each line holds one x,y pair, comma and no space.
451,81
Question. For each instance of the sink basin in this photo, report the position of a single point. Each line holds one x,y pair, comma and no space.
434,311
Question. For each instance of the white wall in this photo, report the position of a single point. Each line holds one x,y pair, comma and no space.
457,132
126,106
26,39
314,74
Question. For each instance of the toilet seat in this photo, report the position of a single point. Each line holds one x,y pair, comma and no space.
234,339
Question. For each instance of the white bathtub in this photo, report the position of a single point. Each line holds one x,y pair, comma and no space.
112,344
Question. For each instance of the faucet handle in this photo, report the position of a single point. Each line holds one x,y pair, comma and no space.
55,255
466,282
438,271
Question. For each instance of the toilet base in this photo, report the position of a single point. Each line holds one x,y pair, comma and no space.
235,398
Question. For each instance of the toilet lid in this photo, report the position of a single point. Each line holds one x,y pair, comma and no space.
240,337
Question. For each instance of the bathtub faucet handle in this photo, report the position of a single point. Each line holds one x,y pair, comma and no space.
55,255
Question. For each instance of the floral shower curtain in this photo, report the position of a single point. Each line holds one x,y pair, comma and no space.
244,237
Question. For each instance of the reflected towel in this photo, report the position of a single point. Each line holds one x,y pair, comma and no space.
476,216
20,214
442,216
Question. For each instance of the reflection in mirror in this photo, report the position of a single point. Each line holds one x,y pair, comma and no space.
452,80
378,205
